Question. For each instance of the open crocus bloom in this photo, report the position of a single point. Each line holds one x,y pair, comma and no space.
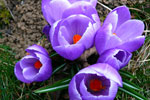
96,82
75,33
36,66
93,2
119,31
117,58
53,9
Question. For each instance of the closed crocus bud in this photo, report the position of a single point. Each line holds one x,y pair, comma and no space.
35,66
96,82
117,58
120,31
75,33
54,9
46,30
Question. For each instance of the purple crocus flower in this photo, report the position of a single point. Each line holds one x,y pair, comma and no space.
75,33
53,9
119,31
46,31
93,2
36,66
117,58
96,82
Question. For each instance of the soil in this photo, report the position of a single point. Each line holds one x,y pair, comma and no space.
26,27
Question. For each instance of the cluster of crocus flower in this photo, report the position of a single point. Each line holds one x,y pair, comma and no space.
75,27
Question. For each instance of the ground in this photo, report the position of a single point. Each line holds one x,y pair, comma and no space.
24,28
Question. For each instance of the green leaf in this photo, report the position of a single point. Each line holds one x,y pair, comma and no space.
77,68
126,74
1,35
52,89
131,85
54,54
54,86
72,71
58,68
133,93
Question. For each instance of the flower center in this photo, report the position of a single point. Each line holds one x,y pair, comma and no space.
96,85
76,38
114,34
27,53
37,64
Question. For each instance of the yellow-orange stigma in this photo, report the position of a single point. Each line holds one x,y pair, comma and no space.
114,34
27,53
76,38
37,65
96,85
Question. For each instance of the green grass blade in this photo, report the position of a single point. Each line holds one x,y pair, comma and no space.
126,74
58,68
54,54
131,85
72,71
133,93
60,87
127,85
57,84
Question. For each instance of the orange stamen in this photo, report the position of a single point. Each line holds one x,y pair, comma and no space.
114,34
96,85
76,38
27,53
37,65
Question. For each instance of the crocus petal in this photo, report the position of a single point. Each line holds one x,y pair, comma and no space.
117,58
64,37
28,61
30,73
63,32
53,9
112,19
84,92
107,71
46,30
100,40
36,48
123,14
88,36
70,52
105,40
54,33
73,92
132,44
130,29
104,70
76,24
46,68
113,42
81,7
97,23
93,2
112,93
19,75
